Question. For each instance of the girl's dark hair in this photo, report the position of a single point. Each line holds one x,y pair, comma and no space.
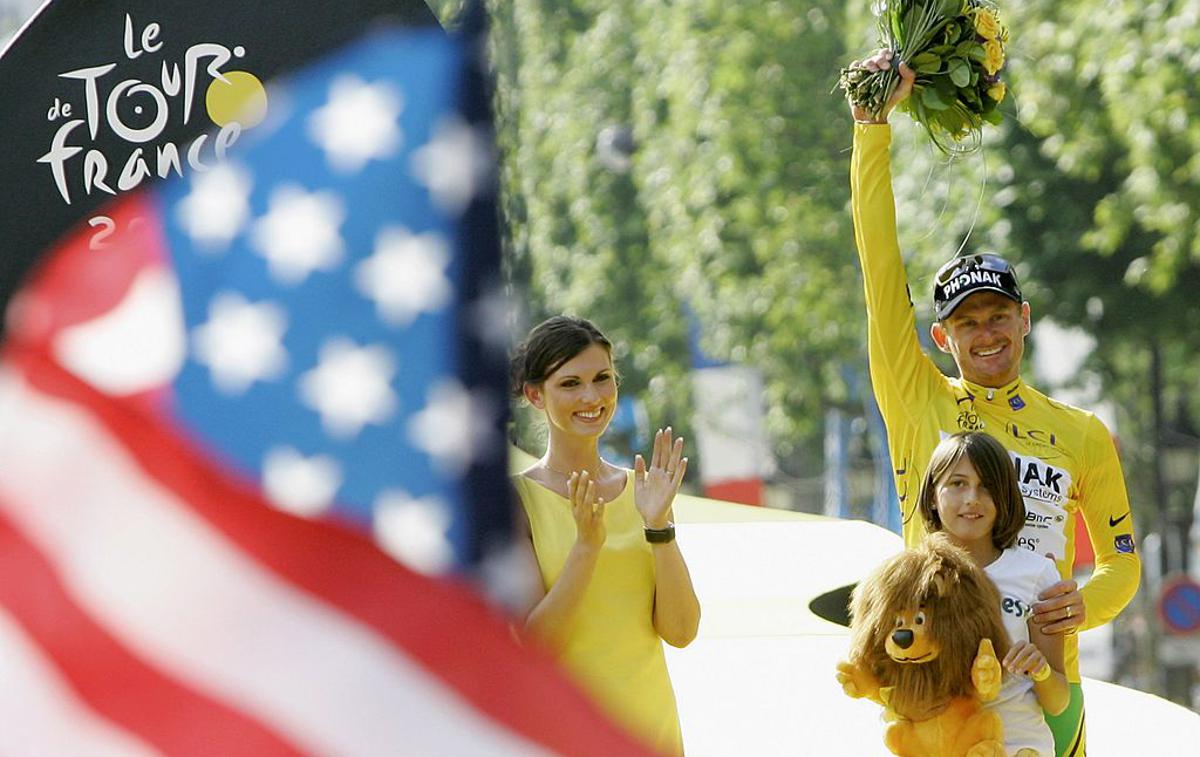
996,472
551,343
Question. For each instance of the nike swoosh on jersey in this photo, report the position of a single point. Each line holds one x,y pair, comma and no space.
1114,522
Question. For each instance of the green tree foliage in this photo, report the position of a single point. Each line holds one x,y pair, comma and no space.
1102,183
747,190
1108,99
734,205
578,239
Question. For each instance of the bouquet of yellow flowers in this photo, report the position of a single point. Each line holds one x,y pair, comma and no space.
956,48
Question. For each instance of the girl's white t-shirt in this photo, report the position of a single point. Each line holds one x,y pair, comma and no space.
1020,575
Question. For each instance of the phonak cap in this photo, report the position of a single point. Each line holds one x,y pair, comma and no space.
961,277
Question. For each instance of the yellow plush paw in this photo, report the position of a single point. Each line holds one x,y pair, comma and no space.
899,737
986,749
846,676
986,672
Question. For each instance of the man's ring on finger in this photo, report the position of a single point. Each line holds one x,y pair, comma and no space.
1068,611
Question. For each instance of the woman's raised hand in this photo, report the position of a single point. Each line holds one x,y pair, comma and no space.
654,488
587,509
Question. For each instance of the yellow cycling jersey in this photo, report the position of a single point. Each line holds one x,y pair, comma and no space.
1066,460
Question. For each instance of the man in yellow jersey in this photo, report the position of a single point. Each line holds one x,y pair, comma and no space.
1065,457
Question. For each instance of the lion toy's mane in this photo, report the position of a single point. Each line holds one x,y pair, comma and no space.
961,606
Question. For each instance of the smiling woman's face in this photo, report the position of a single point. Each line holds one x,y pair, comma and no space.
579,398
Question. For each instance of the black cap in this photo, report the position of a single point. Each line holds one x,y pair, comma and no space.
963,277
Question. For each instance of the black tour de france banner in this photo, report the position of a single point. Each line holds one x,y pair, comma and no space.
100,97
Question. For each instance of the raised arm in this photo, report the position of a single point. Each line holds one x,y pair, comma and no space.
551,615
903,377
676,607
900,371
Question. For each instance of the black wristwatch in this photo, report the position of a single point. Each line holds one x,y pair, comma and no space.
661,535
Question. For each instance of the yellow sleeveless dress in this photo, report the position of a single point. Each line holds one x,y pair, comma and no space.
612,649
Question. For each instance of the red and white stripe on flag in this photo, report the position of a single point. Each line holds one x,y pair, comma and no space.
151,603
730,433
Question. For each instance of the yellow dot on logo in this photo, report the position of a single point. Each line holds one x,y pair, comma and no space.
241,98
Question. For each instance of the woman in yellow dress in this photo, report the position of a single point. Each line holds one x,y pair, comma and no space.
614,580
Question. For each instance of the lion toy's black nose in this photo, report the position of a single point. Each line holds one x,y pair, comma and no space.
902,638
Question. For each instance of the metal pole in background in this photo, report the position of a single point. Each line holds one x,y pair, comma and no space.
1178,671
1160,485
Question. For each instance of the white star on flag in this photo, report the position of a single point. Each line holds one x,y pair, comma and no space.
509,575
349,387
300,485
358,122
242,342
493,316
217,207
406,275
454,425
414,530
453,165
300,233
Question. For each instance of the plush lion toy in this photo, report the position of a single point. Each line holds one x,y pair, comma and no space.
925,635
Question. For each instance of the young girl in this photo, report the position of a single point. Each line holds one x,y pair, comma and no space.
970,492
614,580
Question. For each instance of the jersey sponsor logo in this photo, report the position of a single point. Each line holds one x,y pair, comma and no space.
1015,607
1045,528
1015,402
1114,522
1041,481
1124,544
968,420
1033,436
1035,519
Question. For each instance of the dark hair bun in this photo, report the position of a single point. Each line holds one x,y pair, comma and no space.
551,343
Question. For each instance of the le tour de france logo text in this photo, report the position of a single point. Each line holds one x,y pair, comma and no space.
137,112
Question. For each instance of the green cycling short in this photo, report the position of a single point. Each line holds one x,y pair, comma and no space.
1070,732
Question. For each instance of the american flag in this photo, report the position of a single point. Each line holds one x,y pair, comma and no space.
323,344
219,405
